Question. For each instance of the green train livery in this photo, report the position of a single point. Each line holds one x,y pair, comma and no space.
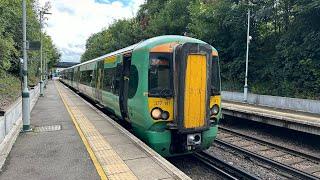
166,87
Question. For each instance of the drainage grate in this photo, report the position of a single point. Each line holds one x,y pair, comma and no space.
47,128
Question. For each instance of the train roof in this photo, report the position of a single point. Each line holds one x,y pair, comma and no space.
144,44
120,51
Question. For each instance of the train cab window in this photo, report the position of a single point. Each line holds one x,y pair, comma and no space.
160,75
215,79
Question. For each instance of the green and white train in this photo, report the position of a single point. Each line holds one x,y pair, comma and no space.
167,88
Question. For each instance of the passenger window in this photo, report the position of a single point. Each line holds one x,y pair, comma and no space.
111,80
86,77
108,78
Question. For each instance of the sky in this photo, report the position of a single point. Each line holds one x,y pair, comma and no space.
73,21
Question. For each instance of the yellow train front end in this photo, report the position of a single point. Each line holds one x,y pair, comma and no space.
184,91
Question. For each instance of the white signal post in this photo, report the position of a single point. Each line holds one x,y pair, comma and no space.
245,89
42,65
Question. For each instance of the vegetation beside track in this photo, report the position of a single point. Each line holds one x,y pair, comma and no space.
10,89
11,45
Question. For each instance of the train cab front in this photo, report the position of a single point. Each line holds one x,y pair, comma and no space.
184,97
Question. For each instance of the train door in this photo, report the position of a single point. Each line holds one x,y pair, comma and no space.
193,66
124,86
98,81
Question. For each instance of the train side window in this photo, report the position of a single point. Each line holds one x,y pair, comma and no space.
215,78
83,77
86,77
133,81
107,79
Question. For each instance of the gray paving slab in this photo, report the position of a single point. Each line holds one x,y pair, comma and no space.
129,151
144,168
105,128
49,155
116,139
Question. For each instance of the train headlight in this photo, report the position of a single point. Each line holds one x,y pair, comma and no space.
156,113
165,115
214,110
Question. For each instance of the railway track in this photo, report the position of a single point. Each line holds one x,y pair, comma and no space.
298,164
223,168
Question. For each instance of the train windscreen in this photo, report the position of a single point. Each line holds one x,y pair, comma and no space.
160,84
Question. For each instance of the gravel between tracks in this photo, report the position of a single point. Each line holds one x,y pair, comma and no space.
287,138
249,165
284,137
193,168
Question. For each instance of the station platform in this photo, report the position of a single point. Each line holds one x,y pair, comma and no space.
71,139
295,120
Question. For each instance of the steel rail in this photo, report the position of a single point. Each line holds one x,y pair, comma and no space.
271,162
273,145
223,168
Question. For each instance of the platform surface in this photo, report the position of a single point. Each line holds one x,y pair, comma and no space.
291,119
49,155
89,145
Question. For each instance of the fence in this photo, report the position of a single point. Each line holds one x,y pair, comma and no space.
304,105
11,123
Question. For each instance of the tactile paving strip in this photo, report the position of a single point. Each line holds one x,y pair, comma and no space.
47,128
112,165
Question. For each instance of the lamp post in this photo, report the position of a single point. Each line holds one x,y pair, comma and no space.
42,13
45,71
25,91
245,89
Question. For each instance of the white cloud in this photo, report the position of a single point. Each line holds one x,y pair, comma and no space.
72,22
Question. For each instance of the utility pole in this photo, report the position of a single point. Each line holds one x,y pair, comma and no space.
25,91
45,72
43,66
41,69
247,61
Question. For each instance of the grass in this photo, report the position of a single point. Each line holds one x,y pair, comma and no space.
10,90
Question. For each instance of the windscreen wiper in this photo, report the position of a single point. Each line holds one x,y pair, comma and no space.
165,92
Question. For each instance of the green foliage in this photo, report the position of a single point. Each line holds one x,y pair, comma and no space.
284,56
11,45
10,89
119,35
7,50
172,18
224,31
11,36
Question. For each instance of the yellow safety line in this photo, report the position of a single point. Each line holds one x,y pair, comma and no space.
84,140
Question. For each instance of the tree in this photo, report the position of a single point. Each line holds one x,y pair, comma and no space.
11,38
121,34
284,56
